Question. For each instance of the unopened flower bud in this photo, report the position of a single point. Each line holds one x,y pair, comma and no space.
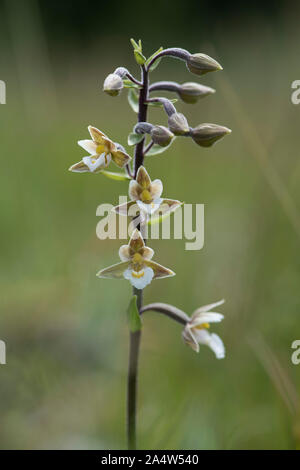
178,124
206,135
191,92
161,135
202,63
113,84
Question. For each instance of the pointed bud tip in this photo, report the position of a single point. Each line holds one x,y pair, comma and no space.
206,135
200,64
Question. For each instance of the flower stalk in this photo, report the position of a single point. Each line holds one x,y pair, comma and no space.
132,378
142,117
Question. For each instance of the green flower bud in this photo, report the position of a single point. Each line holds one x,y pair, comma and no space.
191,92
202,63
178,124
113,84
206,135
161,135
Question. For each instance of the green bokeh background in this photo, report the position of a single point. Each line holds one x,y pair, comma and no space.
64,382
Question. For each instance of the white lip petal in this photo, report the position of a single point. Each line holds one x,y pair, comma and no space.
149,208
88,145
217,346
212,340
206,317
201,336
139,282
93,163
208,307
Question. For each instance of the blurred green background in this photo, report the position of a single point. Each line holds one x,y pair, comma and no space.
64,382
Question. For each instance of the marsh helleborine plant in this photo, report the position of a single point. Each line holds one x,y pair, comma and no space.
137,265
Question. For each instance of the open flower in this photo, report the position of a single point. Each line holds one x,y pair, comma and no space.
102,150
195,331
136,265
147,195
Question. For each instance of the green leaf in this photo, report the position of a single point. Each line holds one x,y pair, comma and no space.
134,319
133,100
134,138
156,63
139,57
156,149
130,84
134,44
115,176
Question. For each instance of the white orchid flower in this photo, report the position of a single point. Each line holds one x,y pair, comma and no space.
136,265
195,331
102,150
147,195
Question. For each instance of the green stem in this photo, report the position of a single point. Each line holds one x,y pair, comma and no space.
134,346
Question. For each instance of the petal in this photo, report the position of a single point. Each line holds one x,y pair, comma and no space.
159,271
148,208
134,190
122,209
97,135
217,345
169,205
189,339
115,271
205,317
156,189
163,207
88,145
139,279
94,162
212,340
124,253
208,307
143,178
79,167
120,158
201,336
147,253
136,241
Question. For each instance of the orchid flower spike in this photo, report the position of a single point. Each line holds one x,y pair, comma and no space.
195,331
136,265
102,150
147,195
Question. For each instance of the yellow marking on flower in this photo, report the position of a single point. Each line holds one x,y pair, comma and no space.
137,258
138,275
202,326
146,196
101,148
93,161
